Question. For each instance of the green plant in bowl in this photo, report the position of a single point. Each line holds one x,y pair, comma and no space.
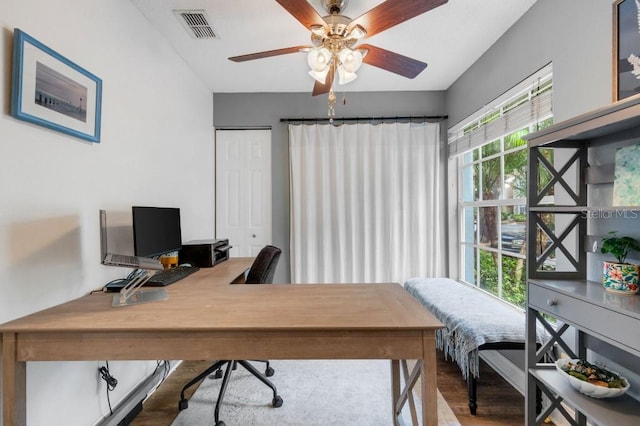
619,247
620,277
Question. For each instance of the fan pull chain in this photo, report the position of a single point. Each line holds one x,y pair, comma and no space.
332,103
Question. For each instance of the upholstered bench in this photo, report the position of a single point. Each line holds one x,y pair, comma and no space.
474,321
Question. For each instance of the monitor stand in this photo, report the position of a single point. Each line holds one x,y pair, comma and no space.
141,296
131,294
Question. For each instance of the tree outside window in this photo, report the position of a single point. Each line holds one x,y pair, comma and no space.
493,202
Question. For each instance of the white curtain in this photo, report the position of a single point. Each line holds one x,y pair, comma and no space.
366,202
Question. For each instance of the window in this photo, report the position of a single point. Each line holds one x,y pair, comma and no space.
490,158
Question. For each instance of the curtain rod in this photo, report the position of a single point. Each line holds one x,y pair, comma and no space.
343,119
242,127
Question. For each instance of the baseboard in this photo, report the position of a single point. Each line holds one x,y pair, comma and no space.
130,403
131,415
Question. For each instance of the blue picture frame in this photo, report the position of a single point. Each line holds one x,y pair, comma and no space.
50,90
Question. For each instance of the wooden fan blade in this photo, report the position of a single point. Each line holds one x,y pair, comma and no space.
391,61
393,12
303,12
319,88
268,53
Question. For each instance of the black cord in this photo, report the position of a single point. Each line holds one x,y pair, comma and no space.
167,369
165,365
134,273
116,281
110,380
124,280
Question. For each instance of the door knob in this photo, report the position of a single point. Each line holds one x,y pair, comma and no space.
253,235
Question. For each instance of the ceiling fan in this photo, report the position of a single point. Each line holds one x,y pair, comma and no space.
335,39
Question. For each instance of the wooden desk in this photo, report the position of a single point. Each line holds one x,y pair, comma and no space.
206,319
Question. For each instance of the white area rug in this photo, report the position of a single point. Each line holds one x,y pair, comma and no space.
318,392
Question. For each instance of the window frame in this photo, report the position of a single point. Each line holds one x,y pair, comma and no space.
462,160
479,203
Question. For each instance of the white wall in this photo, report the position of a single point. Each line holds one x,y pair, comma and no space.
156,149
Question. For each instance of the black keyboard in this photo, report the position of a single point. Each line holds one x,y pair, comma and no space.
170,276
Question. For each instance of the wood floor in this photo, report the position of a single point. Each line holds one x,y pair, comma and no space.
498,402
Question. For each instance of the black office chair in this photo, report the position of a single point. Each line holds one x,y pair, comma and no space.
261,272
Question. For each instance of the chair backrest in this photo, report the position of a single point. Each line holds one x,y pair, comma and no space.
264,267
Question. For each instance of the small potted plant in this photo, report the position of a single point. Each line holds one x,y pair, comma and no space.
620,277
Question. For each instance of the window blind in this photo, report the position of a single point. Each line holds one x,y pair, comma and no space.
528,106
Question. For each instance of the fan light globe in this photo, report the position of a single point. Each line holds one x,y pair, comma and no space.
319,59
320,76
345,76
350,60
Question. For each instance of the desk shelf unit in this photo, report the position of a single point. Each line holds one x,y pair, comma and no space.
570,185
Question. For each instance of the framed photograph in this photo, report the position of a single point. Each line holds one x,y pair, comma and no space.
50,90
626,49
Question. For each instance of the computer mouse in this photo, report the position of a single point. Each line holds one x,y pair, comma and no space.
186,265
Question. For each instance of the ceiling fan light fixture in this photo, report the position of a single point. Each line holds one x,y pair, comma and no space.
319,58
334,56
334,6
350,42
358,32
317,40
320,76
350,59
319,30
345,76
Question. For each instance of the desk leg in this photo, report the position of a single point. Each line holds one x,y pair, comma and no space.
395,389
428,379
14,384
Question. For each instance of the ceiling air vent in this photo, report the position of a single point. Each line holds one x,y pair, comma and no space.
196,23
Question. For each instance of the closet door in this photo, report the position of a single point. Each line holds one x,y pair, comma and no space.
243,189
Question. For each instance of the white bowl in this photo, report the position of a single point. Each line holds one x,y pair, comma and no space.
587,388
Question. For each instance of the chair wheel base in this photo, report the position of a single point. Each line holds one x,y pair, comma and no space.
277,402
269,372
183,404
216,374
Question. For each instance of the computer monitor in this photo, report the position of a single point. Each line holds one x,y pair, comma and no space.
156,230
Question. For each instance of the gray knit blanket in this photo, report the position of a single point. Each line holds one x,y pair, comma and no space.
471,318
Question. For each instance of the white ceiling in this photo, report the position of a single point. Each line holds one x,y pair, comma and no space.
449,38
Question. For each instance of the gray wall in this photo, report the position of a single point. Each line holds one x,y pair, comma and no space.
575,35
266,109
